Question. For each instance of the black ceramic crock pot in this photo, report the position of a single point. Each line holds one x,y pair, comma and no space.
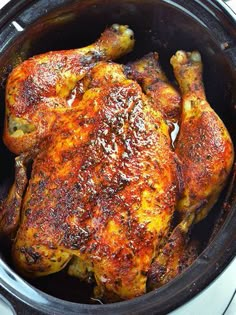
30,27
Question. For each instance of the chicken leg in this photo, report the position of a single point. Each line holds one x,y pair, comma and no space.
38,90
206,151
204,145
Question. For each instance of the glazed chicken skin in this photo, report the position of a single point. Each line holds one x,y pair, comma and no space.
177,251
102,189
204,146
205,150
40,89
105,179
149,74
39,92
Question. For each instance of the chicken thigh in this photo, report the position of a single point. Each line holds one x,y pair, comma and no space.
39,90
149,74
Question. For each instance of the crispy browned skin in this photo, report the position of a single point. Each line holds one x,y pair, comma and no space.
148,72
205,151
103,189
40,88
10,210
177,254
204,145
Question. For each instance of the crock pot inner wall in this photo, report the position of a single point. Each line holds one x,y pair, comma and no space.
158,26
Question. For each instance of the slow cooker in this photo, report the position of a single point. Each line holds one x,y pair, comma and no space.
30,27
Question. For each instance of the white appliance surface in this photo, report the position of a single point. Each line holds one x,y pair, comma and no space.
219,298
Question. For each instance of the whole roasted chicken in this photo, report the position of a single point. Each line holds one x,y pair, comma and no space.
106,179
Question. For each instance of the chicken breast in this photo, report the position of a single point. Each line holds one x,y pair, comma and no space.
103,189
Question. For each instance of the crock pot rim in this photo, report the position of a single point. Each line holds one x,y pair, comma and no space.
14,9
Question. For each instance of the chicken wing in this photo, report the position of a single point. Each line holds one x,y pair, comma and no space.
10,209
